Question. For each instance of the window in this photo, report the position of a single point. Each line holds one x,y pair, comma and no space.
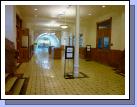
100,43
106,42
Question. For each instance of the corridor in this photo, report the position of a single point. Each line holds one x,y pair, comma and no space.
46,77
36,37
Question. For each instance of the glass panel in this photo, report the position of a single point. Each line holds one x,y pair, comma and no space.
100,43
106,42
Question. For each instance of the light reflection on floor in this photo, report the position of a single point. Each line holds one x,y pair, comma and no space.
42,58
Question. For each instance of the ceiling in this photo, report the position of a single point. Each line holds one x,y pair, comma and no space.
52,16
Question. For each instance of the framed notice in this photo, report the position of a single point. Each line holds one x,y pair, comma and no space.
88,48
69,52
69,55
70,49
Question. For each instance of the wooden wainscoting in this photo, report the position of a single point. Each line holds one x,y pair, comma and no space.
82,52
102,56
24,56
114,58
10,60
57,53
32,50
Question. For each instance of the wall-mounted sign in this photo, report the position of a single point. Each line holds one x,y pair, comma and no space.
69,52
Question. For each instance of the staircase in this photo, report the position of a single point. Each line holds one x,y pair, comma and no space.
14,84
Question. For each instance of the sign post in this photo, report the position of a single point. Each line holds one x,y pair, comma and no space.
88,52
69,55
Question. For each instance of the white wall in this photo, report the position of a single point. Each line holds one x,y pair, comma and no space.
83,30
10,23
32,36
117,33
31,33
64,38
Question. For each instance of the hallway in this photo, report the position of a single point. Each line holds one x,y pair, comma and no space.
97,33
46,77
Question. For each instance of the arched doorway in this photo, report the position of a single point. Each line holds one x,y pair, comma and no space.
43,43
49,39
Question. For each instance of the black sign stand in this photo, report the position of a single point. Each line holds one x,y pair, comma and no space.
69,55
88,52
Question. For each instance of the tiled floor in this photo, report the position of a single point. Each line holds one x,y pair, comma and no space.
47,77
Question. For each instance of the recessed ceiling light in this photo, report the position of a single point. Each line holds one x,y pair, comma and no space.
103,6
35,9
89,14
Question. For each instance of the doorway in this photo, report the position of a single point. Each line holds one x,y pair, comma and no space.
44,49
103,41
104,34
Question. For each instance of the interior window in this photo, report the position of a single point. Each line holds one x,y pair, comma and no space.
106,42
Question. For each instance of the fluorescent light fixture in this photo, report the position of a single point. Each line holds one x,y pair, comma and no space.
35,9
64,26
103,6
52,24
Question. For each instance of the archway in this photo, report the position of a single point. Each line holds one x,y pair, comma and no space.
47,39
43,43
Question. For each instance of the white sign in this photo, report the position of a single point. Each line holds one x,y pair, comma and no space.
88,49
69,55
69,49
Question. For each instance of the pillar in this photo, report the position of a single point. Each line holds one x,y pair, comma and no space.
10,23
76,58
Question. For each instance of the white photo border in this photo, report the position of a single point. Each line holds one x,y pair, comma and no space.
127,94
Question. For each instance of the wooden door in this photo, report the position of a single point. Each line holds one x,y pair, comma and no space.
103,41
104,35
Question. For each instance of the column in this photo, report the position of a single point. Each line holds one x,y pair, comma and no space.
76,58
10,23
